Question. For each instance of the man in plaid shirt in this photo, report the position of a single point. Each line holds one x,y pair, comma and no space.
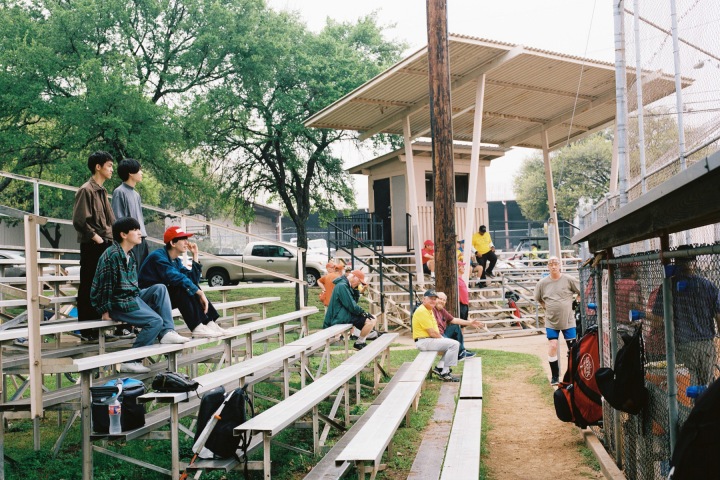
116,296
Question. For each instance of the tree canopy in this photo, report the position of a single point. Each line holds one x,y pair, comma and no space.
209,96
580,170
251,128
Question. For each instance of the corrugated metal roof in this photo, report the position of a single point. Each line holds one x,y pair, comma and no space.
527,90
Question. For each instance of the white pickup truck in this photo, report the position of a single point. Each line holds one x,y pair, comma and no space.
269,256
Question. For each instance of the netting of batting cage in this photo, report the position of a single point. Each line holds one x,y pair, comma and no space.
673,299
679,129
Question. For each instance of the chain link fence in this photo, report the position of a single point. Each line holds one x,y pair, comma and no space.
678,130
673,297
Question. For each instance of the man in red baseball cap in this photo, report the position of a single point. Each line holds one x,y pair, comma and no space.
165,266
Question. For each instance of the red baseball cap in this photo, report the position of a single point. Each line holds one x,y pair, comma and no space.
429,242
360,276
175,232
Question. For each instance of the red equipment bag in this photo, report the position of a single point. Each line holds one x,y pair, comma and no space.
578,398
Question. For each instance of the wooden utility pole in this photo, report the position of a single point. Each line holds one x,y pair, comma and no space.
442,142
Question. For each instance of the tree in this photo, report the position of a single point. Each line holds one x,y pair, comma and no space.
580,170
117,76
252,131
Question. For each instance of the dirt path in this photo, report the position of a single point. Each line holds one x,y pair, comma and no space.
526,440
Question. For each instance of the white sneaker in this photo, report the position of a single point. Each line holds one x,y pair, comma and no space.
205,331
133,367
214,326
173,337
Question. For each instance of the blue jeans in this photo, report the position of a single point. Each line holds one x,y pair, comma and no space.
154,317
455,332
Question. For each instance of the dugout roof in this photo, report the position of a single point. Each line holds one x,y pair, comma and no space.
527,91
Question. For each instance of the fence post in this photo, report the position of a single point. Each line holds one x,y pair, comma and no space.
617,433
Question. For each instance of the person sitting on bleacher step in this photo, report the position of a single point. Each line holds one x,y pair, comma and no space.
165,266
428,339
343,307
115,294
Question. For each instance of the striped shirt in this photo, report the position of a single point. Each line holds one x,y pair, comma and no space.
115,286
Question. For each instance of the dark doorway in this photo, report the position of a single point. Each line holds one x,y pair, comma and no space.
383,213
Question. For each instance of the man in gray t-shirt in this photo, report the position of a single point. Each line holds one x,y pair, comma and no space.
126,202
555,293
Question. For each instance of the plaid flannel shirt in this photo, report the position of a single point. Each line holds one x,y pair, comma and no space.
115,285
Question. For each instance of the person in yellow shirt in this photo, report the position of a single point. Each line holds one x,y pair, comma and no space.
428,339
484,251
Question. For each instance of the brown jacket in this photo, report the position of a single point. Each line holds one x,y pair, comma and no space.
92,212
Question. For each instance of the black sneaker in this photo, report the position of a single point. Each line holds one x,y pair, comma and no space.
437,371
449,378
554,381
359,346
468,354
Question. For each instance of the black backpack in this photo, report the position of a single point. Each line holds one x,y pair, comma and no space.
696,451
222,442
624,388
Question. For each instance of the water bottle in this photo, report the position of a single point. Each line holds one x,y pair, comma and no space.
114,411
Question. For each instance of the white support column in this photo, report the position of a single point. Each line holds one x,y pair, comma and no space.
473,183
639,90
412,196
678,86
553,231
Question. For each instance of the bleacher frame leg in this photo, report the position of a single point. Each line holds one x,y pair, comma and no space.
174,441
2,445
316,430
286,378
266,456
303,369
87,452
347,404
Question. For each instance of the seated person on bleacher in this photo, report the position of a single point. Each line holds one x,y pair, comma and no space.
343,307
116,296
165,266
449,326
428,339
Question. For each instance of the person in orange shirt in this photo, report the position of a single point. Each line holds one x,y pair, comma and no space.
326,282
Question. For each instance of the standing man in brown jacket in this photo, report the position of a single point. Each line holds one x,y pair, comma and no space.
92,218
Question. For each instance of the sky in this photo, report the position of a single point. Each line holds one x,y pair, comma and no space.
575,27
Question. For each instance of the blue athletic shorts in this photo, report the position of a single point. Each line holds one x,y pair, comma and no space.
568,333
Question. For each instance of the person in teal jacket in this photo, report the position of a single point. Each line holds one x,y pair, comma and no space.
343,307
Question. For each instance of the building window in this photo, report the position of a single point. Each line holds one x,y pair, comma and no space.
462,181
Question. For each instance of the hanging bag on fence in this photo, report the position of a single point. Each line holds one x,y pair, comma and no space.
577,398
624,388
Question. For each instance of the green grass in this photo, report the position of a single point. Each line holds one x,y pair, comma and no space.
27,464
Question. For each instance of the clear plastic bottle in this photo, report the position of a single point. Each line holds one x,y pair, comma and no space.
114,411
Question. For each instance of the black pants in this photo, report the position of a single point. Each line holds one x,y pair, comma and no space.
464,311
190,308
484,259
89,256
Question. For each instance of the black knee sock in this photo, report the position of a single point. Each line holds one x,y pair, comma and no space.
555,368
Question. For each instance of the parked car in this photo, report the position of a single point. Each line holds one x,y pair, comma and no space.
269,256
18,269
319,246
